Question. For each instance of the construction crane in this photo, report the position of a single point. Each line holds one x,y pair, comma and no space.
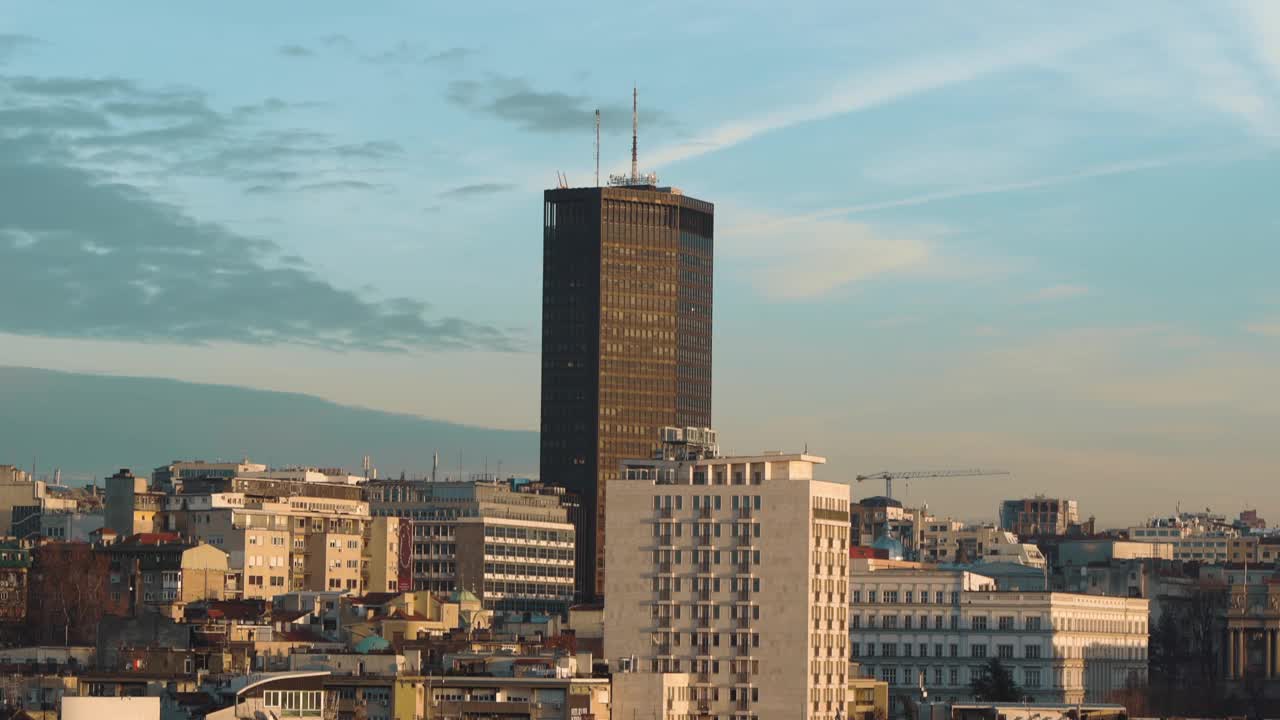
889,476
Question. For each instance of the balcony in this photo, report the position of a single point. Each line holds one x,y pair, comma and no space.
744,568
744,623
664,568
704,568
664,596
703,540
704,650
702,595
664,650
703,678
744,540
704,513
704,622
742,678
666,513
744,596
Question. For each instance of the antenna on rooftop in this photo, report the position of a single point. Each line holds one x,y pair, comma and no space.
597,147
635,132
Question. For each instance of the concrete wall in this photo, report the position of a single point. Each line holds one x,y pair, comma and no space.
111,708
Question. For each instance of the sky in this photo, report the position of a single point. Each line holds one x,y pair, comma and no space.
1028,237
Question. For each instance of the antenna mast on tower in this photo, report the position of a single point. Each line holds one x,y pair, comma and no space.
597,147
635,127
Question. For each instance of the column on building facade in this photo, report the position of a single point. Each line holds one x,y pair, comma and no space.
1243,637
1232,664
1270,658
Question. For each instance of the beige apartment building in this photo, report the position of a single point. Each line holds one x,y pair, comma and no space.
382,555
733,570
280,536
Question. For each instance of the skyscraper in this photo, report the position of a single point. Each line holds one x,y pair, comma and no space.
626,337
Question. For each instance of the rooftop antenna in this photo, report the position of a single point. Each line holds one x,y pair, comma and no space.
597,147
635,128
435,464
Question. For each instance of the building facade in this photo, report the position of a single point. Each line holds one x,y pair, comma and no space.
734,570
1039,515
626,338
512,546
280,535
936,628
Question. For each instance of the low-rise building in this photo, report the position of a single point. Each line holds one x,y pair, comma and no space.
1039,515
939,628
15,565
164,571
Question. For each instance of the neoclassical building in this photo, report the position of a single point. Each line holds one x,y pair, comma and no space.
1253,631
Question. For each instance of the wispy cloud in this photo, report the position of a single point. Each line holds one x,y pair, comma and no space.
1264,328
996,188
466,191
1061,292
514,100
11,44
296,51
804,258
877,88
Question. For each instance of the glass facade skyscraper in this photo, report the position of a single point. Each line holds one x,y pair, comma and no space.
626,339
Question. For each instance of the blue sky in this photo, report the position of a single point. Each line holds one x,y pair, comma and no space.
1033,237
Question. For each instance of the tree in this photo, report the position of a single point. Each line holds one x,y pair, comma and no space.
996,684
68,593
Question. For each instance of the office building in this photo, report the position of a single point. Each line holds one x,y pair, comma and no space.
913,625
733,570
510,545
626,337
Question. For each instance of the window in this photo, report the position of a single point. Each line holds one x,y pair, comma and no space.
978,651
953,675
889,622
1004,651
889,649
1005,622
1031,677
979,622
955,650
890,596
1033,652
937,597
1033,623
910,597
871,596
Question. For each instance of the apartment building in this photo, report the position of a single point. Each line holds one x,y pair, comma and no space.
873,518
949,541
281,535
384,564
1198,538
734,570
510,545
164,571
915,626
130,507
1039,515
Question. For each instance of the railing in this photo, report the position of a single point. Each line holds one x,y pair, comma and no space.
704,622
666,512
704,567
744,539
664,567
744,567
743,678
704,512
744,595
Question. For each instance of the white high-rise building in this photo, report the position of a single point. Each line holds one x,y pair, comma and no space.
735,571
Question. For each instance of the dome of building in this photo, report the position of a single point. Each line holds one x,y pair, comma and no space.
890,544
